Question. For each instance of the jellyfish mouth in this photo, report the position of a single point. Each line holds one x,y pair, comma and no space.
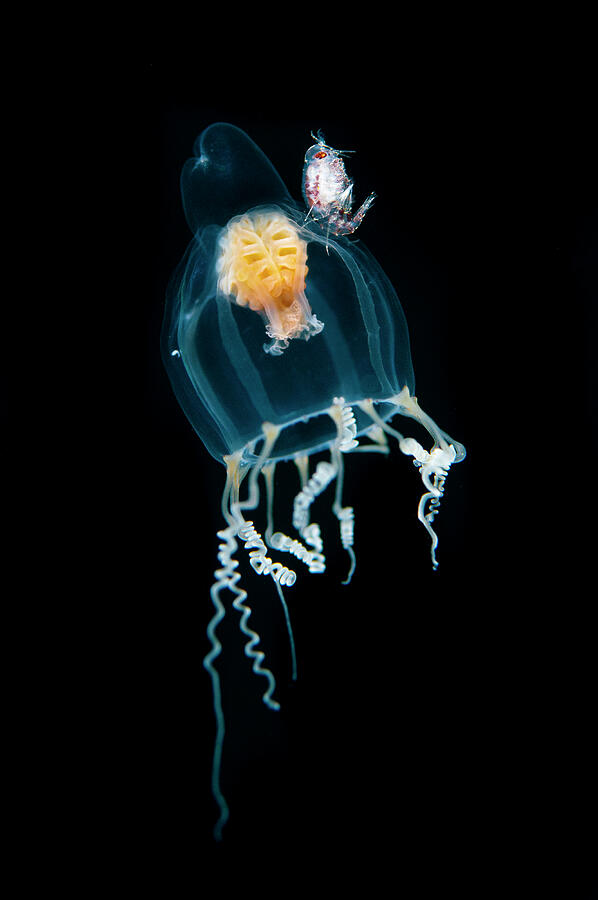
314,433
263,265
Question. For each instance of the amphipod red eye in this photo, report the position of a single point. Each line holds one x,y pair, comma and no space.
320,155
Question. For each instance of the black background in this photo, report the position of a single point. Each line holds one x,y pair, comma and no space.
441,728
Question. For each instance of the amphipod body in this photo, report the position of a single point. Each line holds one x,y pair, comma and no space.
328,190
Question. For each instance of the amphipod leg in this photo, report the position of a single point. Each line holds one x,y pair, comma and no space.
355,221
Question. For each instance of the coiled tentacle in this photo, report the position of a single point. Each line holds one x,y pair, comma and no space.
263,565
224,577
347,426
227,577
436,464
433,466
344,418
316,562
319,481
259,561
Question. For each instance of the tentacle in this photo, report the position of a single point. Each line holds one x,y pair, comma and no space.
347,426
324,474
228,577
346,517
278,541
379,445
302,463
433,465
316,562
408,406
225,577
268,473
261,563
436,465
346,430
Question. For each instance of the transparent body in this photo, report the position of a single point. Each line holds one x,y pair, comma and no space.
214,349
282,340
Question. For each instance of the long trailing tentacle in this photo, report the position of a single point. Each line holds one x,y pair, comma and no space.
260,562
224,577
227,577
263,565
268,473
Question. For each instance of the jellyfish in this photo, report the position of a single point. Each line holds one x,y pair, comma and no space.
283,339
